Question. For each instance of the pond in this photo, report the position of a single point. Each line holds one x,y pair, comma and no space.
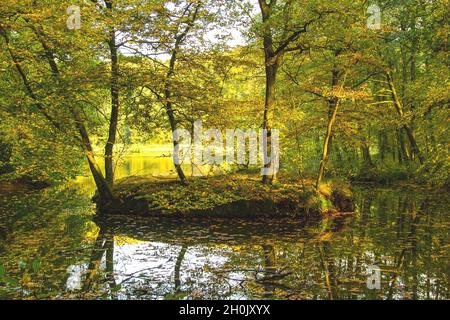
53,247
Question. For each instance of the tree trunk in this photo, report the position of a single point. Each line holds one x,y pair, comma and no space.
402,155
272,61
332,102
333,105
382,141
367,159
179,38
104,190
271,75
326,143
406,152
169,107
173,126
115,105
399,107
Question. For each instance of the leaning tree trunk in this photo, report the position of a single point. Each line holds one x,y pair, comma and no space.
333,105
332,102
326,143
173,126
169,109
103,187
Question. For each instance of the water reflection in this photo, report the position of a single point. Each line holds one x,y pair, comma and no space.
181,257
53,247
151,163
157,163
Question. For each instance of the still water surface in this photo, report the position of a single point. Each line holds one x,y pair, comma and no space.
52,247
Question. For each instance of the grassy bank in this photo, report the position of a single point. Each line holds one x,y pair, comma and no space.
234,195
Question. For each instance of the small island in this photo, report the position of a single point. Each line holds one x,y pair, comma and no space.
231,195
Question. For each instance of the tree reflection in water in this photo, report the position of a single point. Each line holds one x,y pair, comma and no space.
404,233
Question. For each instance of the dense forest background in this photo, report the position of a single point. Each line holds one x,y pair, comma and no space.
350,100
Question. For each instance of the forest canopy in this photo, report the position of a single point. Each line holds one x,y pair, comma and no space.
358,90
